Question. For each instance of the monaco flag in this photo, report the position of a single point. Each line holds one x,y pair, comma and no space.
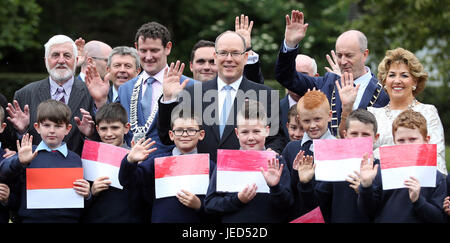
335,159
53,188
399,162
238,168
189,172
101,159
314,216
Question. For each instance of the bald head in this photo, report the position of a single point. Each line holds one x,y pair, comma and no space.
352,52
306,65
96,52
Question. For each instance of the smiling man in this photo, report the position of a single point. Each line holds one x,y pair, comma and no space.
60,61
139,96
229,87
351,55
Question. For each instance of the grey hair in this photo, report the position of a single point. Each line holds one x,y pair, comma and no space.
123,51
59,39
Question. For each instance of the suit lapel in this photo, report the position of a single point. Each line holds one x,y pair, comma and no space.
211,86
76,95
44,90
368,93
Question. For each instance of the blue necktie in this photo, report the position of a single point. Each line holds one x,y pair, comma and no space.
225,109
146,99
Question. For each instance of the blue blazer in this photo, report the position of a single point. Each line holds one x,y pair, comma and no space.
124,97
286,75
284,107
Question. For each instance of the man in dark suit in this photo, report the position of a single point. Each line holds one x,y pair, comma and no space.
60,59
209,99
351,54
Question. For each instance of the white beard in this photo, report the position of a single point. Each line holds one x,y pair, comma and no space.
60,75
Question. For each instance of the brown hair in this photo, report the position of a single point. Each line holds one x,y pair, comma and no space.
398,56
410,119
55,111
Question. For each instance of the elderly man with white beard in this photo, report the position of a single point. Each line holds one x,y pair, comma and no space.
60,61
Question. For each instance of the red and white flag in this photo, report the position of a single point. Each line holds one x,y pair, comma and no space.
53,188
399,162
238,168
335,159
314,216
101,159
189,172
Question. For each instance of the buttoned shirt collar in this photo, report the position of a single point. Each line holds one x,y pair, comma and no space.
62,149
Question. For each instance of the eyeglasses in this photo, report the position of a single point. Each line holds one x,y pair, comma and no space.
189,132
99,58
225,53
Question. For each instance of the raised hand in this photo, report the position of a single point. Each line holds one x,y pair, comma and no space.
243,27
189,200
305,167
347,92
98,88
367,171
25,149
18,118
80,42
333,64
273,173
295,28
140,150
413,185
99,185
86,125
171,84
248,193
354,181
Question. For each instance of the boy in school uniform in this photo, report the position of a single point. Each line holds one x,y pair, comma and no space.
412,204
338,200
294,128
53,124
109,204
248,206
138,170
314,115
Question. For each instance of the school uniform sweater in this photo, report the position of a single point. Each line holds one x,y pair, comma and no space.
395,206
115,205
263,208
4,210
12,170
164,210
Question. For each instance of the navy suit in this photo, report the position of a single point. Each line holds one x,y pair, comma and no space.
212,140
286,75
284,107
125,92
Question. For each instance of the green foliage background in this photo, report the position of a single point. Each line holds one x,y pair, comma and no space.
418,25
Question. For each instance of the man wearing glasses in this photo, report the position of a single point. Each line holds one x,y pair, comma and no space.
95,53
217,100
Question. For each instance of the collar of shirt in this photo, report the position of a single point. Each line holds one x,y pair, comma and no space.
62,149
115,93
176,151
67,86
222,93
82,76
363,81
291,101
326,135
159,77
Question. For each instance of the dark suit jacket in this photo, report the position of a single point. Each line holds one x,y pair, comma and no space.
284,107
212,140
34,93
286,75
